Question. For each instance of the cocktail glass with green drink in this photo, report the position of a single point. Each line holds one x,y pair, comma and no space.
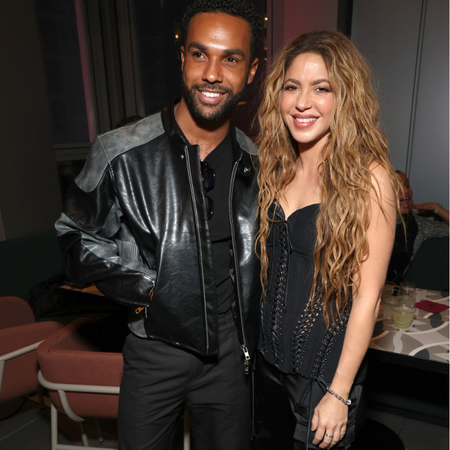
403,316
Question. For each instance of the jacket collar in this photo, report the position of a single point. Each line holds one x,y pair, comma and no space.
171,126
175,134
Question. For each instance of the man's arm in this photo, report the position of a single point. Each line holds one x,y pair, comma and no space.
87,231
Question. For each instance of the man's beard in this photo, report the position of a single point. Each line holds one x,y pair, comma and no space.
209,113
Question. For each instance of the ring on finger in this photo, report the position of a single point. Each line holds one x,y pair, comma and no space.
329,436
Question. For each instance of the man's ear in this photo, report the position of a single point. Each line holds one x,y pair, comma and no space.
252,71
182,54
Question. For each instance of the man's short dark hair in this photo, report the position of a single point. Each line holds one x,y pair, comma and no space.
236,8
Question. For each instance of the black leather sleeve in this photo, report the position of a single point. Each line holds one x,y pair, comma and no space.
88,232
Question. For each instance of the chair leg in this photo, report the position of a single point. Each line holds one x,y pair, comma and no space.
99,430
41,398
187,430
84,438
54,426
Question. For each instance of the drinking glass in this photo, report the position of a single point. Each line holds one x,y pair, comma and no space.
409,296
403,316
390,298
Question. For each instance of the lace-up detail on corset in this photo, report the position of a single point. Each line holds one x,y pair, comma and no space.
293,336
275,294
301,334
334,334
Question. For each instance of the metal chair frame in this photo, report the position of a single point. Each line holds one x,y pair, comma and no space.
15,354
62,388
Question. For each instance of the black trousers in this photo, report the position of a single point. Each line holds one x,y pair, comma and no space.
281,420
158,379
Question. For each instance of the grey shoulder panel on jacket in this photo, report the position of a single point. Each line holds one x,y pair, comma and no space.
108,146
246,143
119,141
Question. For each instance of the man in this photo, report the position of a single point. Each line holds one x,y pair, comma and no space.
162,218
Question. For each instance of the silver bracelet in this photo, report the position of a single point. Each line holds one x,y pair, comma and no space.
347,402
438,208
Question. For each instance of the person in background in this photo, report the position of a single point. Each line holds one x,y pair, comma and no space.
417,230
162,219
327,209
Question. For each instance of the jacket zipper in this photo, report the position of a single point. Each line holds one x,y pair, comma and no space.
202,273
138,310
244,347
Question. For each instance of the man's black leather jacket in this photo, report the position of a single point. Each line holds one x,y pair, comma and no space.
134,224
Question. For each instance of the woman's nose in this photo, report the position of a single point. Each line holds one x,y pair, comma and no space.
303,101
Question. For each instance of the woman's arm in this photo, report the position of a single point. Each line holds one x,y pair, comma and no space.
432,206
331,414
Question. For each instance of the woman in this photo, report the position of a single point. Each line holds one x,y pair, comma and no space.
327,208
416,230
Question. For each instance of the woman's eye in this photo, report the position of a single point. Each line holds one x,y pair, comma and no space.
290,88
322,89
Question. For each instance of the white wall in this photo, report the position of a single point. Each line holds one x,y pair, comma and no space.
413,85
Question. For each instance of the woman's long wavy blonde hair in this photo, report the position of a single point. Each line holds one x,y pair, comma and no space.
354,143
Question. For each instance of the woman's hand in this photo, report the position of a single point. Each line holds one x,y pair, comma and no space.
431,206
422,207
330,419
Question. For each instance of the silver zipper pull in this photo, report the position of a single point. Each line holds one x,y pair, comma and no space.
246,359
